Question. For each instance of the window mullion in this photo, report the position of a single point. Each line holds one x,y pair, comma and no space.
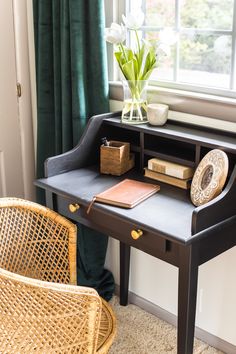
110,16
177,28
143,5
233,56
206,31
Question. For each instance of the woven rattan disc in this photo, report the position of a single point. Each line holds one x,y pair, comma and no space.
209,177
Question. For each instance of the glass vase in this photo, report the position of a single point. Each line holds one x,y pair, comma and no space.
135,102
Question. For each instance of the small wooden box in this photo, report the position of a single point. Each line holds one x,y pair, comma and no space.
116,159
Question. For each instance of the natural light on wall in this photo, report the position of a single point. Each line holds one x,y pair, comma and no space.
204,57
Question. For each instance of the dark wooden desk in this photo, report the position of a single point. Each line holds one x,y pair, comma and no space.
173,229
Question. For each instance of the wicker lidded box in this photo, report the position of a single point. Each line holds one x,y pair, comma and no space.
116,159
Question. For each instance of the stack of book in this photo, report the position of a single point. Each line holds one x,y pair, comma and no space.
169,172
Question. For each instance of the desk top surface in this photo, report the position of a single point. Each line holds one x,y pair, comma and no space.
169,211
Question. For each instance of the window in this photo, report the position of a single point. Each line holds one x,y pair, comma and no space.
204,58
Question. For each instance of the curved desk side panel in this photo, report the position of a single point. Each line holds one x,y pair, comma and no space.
214,240
83,154
217,210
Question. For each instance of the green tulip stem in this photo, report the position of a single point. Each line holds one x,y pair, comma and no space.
139,111
136,33
131,111
123,51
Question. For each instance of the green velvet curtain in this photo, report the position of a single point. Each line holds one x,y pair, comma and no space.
72,86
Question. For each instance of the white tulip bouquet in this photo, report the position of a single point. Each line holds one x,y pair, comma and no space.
137,64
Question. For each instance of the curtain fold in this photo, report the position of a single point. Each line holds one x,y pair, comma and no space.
72,86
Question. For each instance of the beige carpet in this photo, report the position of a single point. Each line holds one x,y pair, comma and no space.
142,333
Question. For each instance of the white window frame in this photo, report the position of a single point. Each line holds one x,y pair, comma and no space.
203,101
231,92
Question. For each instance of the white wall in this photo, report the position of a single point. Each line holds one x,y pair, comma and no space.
157,282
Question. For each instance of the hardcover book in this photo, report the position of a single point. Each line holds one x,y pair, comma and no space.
178,182
126,194
170,168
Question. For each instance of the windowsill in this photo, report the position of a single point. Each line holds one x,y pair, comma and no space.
200,104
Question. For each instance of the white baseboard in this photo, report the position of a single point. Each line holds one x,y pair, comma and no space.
164,315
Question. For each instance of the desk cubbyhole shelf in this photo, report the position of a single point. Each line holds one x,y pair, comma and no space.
121,134
176,142
169,149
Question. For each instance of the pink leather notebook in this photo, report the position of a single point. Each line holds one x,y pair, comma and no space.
126,194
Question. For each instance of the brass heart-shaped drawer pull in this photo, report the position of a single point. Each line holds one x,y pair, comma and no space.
136,234
73,207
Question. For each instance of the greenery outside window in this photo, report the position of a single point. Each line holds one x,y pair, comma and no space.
204,58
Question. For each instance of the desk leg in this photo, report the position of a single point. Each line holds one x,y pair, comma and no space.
49,200
187,295
124,273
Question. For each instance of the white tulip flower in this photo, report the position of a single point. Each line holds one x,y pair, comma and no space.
134,21
115,34
168,36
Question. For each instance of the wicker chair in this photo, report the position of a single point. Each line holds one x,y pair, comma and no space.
37,315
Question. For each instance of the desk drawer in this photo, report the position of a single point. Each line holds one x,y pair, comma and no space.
117,227
64,208
121,229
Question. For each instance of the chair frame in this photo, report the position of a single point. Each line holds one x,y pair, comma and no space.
101,312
